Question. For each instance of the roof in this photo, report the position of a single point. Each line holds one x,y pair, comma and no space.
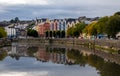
70,20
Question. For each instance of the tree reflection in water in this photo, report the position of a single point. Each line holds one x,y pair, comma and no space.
3,54
67,57
104,68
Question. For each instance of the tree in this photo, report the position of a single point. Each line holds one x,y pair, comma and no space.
113,26
3,54
50,33
54,33
31,25
117,13
91,29
58,34
15,20
76,30
46,33
62,34
32,32
2,32
70,32
29,32
80,27
101,25
12,21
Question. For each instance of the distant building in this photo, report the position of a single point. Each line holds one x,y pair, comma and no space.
43,28
71,22
16,29
118,35
11,31
87,20
58,24
43,25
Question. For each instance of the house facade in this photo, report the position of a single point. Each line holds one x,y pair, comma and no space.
43,28
44,25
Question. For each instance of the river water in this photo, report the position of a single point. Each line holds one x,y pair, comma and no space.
54,60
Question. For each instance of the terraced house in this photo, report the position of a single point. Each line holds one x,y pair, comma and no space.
43,25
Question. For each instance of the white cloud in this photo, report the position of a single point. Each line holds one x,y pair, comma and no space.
25,2
60,2
13,74
12,2
86,2
31,73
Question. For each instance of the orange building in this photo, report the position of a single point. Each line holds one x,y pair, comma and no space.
43,28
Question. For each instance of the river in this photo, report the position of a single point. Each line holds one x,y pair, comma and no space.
56,60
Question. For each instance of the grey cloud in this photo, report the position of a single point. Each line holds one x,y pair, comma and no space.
62,9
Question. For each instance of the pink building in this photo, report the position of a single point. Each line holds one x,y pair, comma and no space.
55,25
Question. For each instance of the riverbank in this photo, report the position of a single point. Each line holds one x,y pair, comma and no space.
102,44
97,43
5,42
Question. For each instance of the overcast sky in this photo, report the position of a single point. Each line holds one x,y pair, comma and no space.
30,9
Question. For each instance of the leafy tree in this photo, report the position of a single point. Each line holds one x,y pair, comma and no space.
117,13
58,34
62,34
54,33
31,25
3,54
50,33
80,27
76,30
101,25
12,21
46,33
2,32
70,32
15,20
32,32
29,32
91,29
113,26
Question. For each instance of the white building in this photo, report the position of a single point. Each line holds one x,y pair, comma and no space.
11,31
118,35
14,30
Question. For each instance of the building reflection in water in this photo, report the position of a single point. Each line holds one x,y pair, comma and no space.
56,55
65,56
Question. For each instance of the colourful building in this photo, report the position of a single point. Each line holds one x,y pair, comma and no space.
58,24
43,28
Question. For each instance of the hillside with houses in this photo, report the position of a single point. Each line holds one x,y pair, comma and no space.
81,27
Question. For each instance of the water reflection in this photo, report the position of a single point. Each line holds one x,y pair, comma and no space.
42,60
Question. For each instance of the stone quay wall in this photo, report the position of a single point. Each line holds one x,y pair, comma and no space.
4,42
72,41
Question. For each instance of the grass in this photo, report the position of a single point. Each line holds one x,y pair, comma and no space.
111,50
